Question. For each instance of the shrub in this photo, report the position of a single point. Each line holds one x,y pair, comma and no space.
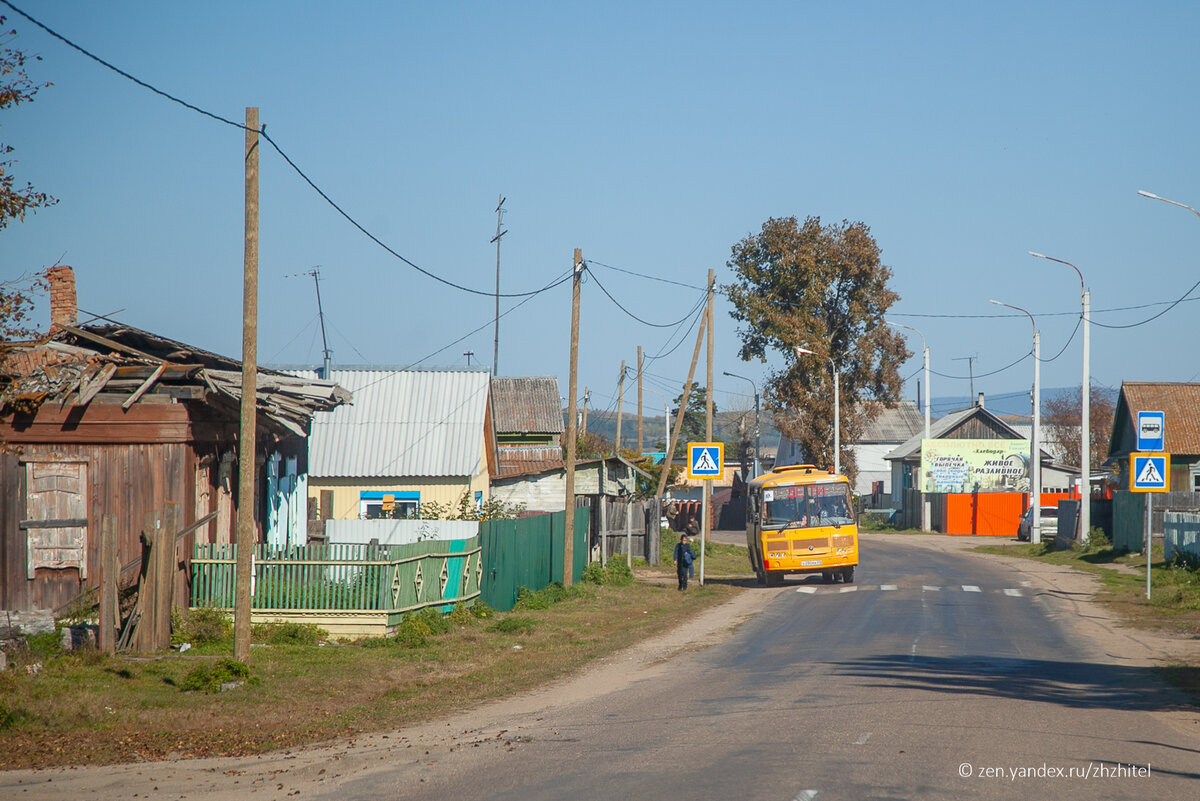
200,626
209,678
513,625
290,633
618,573
482,610
593,573
545,597
416,628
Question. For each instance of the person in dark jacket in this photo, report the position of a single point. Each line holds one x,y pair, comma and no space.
684,556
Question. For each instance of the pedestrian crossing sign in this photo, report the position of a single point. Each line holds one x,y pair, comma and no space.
1149,472
706,459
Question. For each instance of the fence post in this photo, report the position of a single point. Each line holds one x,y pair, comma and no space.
110,613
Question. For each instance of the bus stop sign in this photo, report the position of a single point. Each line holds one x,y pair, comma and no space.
1150,431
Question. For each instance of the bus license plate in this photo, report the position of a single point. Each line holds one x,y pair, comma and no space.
811,563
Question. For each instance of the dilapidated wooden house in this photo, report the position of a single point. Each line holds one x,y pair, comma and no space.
107,419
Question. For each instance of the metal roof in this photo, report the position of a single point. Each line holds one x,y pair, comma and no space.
892,423
403,423
527,405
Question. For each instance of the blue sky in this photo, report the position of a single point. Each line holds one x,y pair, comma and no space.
653,136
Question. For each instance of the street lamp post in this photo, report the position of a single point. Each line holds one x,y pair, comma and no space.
756,462
1085,420
837,416
925,351
1035,454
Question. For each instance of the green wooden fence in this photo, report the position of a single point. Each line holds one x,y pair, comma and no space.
382,580
528,553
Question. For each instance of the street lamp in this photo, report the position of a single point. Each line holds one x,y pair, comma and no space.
925,350
666,415
1035,464
1085,423
756,463
837,416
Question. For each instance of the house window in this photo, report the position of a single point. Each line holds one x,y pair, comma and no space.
388,505
56,509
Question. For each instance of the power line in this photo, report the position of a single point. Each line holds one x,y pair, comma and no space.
647,277
263,133
631,314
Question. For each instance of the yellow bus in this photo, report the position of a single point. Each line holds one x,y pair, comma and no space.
801,520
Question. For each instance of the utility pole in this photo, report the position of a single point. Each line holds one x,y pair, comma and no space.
620,398
572,387
687,392
468,354
639,401
315,272
970,360
496,239
247,430
706,502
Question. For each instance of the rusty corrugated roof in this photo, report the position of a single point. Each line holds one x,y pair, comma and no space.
526,405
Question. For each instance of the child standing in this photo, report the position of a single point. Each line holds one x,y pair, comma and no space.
683,561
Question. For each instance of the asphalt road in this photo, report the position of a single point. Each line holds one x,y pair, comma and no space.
935,676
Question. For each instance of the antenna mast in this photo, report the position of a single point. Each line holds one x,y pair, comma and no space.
315,272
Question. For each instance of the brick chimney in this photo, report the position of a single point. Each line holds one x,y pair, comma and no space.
63,308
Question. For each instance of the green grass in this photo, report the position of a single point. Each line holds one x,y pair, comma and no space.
720,560
83,707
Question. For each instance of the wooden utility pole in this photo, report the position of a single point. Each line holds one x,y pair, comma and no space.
620,398
247,432
572,387
687,391
496,239
639,401
706,503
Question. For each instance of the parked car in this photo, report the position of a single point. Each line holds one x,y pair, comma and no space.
1049,523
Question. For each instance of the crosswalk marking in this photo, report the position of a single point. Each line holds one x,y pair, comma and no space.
928,588
971,588
851,588
887,587
807,590
1013,593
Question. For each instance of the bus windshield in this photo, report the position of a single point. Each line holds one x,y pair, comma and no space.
807,506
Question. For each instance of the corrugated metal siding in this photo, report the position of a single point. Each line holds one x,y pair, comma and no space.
527,405
402,423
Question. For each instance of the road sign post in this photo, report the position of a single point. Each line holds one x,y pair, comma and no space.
706,461
1149,473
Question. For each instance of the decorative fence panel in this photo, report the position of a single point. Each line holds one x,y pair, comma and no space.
348,589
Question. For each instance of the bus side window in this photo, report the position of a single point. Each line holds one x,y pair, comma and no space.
752,507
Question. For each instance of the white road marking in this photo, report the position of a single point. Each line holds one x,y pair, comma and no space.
852,588
806,590
1013,593
807,795
887,587
1026,583
863,740
928,588
971,588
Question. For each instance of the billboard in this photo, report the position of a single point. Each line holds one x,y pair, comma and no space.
974,465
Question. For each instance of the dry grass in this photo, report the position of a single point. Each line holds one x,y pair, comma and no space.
84,708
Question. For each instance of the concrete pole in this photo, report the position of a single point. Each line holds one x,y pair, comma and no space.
1037,438
1085,425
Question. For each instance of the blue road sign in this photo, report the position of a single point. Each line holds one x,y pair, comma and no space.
1151,427
706,459
1148,472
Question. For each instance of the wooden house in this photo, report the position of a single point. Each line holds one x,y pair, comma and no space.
107,419
1180,404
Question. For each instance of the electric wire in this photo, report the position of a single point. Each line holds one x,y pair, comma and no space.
630,314
262,131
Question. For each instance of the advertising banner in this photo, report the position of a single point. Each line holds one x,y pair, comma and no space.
974,465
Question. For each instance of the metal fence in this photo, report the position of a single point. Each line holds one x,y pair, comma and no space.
528,553
1129,515
1181,534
